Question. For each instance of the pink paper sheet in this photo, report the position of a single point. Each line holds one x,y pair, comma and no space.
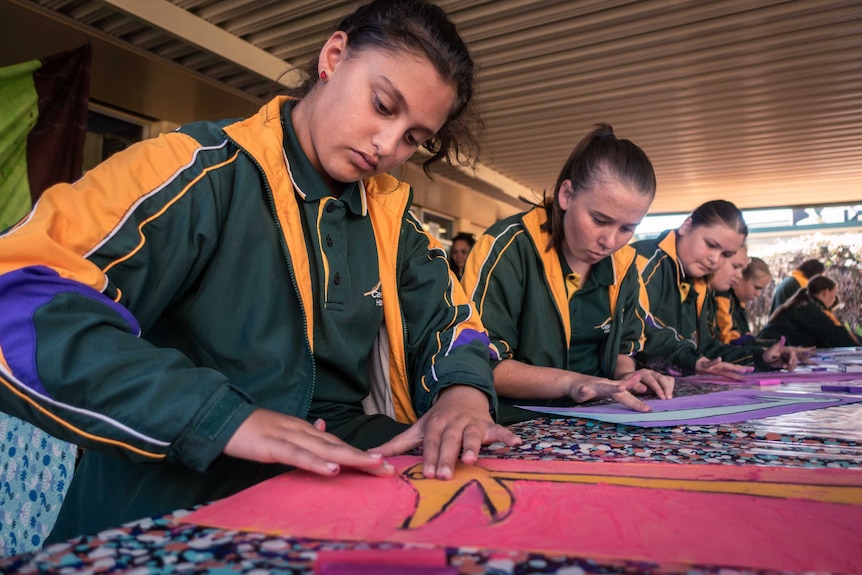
757,517
416,561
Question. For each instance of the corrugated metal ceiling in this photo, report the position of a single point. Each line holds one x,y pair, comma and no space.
758,102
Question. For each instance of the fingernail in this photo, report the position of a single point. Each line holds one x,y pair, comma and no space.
468,453
332,467
429,471
388,466
444,473
376,455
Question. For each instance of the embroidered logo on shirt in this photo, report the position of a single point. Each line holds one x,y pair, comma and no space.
376,294
605,326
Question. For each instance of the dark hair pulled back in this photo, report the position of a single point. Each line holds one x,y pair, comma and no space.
598,155
424,28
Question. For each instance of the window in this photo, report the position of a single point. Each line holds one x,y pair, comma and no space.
438,225
769,220
108,132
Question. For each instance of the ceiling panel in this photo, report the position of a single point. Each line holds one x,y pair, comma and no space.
758,102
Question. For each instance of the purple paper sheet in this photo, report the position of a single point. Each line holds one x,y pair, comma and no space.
720,407
839,355
785,377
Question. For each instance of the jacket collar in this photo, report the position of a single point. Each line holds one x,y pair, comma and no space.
800,278
619,262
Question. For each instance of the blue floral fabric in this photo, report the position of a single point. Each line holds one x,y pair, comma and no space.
35,471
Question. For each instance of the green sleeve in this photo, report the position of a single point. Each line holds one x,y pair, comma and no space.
496,284
712,347
632,315
665,350
446,342
81,369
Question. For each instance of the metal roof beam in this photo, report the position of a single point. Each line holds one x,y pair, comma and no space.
183,24
189,27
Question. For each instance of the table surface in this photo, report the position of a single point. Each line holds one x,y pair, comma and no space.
829,437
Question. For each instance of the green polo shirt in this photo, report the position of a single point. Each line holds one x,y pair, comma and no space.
345,283
589,310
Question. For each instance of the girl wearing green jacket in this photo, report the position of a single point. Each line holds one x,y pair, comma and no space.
675,268
557,289
806,318
214,305
721,284
732,319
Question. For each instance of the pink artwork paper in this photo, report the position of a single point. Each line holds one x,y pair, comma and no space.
787,519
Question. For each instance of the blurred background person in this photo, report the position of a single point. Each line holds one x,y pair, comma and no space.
462,243
731,314
806,318
675,268
798,278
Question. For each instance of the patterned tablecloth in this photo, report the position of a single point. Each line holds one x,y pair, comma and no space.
820,438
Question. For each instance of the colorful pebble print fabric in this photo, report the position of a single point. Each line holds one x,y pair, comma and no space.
821,438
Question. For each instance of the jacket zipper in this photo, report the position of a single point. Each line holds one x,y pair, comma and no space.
401,241
286,253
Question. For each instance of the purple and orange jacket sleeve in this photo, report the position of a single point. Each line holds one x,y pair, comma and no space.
81,275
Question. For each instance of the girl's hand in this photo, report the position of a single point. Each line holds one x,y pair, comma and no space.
780,356
805,354
660,384
717,367
271,437
459,421
585,388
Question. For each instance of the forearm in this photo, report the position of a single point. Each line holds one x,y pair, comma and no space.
450,345
742,355
625,364
518,380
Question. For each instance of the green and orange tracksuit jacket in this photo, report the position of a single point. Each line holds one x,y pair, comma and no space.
678,329
519,289
731,319
810,324
151,306
787,287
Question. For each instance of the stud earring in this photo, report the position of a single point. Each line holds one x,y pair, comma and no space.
323,75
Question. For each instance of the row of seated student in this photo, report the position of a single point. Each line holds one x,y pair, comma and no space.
574,311
805,319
